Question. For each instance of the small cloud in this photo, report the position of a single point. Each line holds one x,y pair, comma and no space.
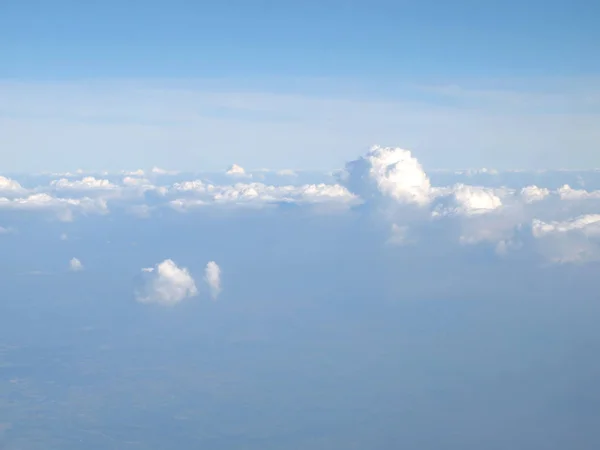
75,265
64,237
166,284
134,173
212,276
287,173
399,235
159,171
136,181
237,171
7,230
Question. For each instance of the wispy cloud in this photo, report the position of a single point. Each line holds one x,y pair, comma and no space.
69,125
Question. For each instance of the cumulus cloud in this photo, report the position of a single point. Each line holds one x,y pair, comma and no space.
166,284
75,265
9,185
259,194
87,183
471,200
390,172
588,224
212,276
574,240
531,194
63,207
136,181
566,192
509,219
236,171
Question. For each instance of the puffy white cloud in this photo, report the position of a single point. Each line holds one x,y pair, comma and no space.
531,194
569,241
159,171
259,194
212,276
566,192
87,183
197,186
136,182
469,200
63,207
237,171
75,265
166,284
7,184
393,172
588,224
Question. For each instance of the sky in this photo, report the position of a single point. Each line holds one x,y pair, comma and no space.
304,85
299,225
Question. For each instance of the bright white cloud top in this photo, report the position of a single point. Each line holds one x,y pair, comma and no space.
166,284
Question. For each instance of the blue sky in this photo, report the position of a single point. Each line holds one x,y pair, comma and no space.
527,70
335,38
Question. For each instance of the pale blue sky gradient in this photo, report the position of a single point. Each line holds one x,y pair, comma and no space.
297,84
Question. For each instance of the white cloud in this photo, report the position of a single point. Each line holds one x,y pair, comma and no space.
568,241
63,207
507,219
531,194
212,276
166,284
87,183
588,224
391,172
75,265
259,194
237,171
472,200
7,184
159,171
566,192
136,182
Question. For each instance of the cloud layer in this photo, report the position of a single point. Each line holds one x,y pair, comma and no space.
386,182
